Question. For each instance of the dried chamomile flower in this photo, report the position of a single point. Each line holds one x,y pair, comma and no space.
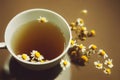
42,19
83,28
101,52
98,65
64,64
24,57
84,33
36,55
82,48
109,63
82,38
72,24
84,11
80,22
73,53
93,47
74,28
92,33
85,58
73,43
107,71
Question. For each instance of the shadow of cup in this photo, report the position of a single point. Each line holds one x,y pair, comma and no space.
18,72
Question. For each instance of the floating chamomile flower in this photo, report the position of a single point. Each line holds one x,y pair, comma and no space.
109,63
80,22
36,55
98,65
101,52
64,64
107,71
42,19
24,57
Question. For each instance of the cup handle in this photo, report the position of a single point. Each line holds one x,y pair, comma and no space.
2,45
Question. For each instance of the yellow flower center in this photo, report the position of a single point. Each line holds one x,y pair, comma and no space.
72,24
94,47
99,65
102,53
109,62
43,20
37,54
72,42
108,71
24,56
81,46
92,32
81,21
85,58
65,63
83,28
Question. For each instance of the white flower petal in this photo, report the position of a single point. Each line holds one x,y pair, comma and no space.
105,56
110,66
64,66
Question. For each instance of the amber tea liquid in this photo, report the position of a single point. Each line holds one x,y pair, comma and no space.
43,37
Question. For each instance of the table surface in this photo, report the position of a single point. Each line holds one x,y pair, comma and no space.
103,16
